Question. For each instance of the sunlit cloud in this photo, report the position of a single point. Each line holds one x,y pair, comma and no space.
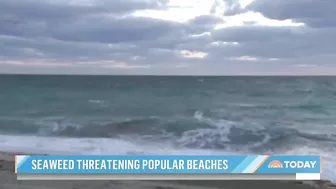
247,58
305,65
123,65
34,63
253,18
193,54
221,43
179,10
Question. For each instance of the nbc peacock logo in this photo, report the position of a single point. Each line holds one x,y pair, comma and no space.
275,164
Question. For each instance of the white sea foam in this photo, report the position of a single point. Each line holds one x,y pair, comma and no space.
108,146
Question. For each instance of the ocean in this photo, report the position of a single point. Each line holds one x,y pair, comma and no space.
170,115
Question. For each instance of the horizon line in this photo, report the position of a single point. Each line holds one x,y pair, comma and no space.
169,75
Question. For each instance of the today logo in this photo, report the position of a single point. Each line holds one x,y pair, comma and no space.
275,164
292,164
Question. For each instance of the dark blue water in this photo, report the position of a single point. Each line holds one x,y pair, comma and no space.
170,115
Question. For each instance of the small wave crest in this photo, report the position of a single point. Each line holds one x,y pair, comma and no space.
302,106
96,101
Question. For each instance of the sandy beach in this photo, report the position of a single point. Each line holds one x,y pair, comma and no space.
8,181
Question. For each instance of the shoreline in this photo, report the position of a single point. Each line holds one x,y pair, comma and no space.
8,181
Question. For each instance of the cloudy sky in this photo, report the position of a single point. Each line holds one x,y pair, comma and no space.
170,37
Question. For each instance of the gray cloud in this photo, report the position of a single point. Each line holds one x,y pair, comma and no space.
88,37
32,18
278,42
315,13
57,10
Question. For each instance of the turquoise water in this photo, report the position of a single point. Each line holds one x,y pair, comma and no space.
170,115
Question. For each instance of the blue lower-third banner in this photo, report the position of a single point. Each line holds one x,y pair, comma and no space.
254,164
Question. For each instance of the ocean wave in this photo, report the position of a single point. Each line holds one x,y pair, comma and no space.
198,131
